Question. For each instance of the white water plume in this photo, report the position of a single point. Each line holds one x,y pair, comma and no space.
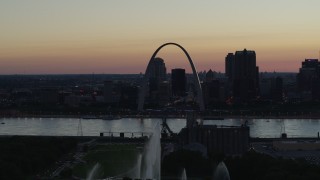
93,172
152,156
221,172
184,174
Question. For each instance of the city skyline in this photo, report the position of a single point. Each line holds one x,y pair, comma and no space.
109,37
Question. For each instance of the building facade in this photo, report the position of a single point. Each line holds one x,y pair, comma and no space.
229,65
178,82
245,76
157,73
308,78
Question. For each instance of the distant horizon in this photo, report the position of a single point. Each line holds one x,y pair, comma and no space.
189,73
268,67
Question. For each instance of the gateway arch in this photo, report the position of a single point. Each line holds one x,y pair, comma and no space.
145,80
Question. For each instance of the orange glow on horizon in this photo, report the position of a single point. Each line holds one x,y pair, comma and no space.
120,37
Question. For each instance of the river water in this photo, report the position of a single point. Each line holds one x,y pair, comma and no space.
92,127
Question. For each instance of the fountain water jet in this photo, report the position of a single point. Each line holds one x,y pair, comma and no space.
93,171
184,174
221,172
137,172
152,156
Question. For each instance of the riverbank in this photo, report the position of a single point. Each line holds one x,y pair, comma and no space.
203,117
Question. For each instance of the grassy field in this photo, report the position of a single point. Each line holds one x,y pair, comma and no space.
113,159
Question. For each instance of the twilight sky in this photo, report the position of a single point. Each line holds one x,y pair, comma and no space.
117,36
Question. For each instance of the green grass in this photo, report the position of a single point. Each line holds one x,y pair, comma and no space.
113,159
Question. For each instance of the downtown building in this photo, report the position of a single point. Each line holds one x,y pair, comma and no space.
178,82
308,79
229,65
271,88
159,88
157,73
243,75
213,89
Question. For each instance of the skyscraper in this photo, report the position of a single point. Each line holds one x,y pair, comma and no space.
308,78
158,73
245,76
229,64
309,71
158,69
178,82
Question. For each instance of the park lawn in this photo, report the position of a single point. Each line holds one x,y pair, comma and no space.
113,159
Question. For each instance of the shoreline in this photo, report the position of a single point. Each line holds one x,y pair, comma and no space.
205,118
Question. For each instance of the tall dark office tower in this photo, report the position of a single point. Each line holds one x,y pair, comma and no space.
245,75
277,89
229,64
178,82
158,69
158,73
308,78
